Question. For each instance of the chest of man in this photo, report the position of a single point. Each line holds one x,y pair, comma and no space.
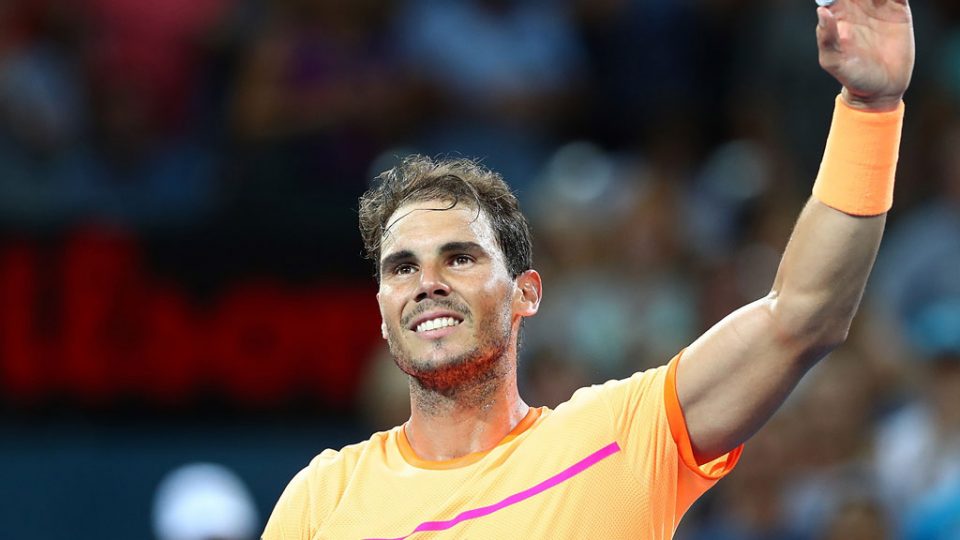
553,481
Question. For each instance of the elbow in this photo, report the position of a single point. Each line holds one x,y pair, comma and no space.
831,338
810,326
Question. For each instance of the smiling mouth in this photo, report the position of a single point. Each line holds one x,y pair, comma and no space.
436,324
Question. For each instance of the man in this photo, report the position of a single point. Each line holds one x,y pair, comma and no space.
627,458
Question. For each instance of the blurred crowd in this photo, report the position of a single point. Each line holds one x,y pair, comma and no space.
662,151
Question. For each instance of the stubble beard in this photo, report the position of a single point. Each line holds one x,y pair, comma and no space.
467,379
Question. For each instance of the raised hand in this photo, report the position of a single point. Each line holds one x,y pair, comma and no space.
868,46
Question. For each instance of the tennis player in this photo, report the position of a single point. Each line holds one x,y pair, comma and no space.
627,458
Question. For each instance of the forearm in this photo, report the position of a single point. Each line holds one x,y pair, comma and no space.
822,277
828,259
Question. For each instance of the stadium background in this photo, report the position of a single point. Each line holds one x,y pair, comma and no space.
181,278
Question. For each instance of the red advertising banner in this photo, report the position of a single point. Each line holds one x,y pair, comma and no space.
88,321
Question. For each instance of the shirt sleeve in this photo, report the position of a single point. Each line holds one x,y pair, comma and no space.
308,499
290,518
649,423
694,479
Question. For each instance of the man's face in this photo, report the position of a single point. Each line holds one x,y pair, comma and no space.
447,300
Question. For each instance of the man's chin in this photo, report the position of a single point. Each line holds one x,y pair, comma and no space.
439,352
437,361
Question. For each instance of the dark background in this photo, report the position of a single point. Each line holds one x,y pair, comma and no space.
181,277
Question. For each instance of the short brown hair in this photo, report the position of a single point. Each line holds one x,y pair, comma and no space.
419,178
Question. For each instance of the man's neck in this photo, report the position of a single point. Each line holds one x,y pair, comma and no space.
446,426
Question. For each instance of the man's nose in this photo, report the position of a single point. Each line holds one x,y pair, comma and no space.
432,284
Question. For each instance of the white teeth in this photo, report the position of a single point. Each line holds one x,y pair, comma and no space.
439,322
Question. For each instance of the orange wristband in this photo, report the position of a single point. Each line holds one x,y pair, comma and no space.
860,160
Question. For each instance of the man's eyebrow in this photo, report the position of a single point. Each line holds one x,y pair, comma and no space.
395,258
462,247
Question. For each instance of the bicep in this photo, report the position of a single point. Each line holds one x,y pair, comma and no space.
732,379
735,376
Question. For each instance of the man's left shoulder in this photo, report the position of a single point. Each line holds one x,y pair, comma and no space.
648,382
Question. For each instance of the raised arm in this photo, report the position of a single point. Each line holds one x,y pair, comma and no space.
734,377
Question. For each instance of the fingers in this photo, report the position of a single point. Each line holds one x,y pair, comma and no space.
828,36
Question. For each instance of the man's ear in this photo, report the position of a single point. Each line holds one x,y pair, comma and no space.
383,323
529,290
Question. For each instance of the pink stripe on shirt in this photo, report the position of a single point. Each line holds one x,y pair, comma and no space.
558,478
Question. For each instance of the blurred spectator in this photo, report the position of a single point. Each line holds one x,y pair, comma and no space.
321,77
831,466
42,112
858,518
749,505
918,291
950,68
148,165
734,175
936,516
133,176
918,454
618,300
917,283
505,73
92,129
317,95
550,378
643,72
153,51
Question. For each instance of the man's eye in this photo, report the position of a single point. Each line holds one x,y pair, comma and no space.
404,269
460,260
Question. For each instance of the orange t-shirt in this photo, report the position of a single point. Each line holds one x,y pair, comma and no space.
615,461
